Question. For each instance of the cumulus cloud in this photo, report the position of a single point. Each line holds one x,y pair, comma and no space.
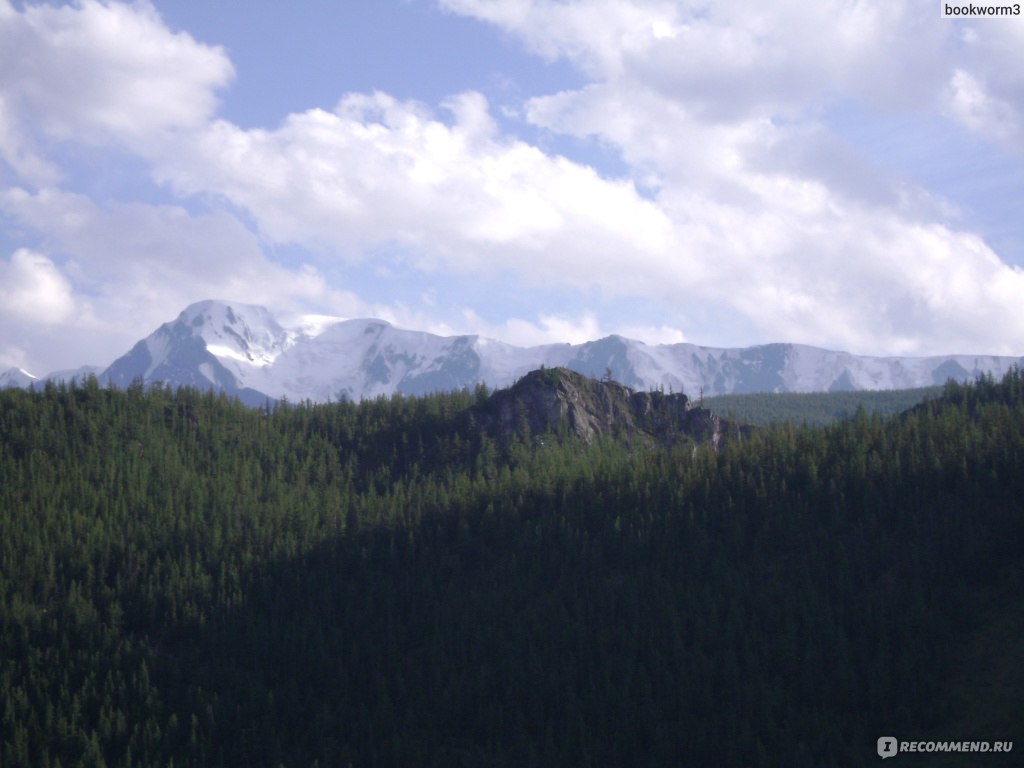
98,71
985,91
458,194
33,289
19,153
719,109
739,55
981,111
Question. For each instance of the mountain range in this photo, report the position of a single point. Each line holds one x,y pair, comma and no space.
245,351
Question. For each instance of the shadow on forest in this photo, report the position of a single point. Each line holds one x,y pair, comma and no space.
557,639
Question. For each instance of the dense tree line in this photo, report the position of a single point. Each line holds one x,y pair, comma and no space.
188,581
815,408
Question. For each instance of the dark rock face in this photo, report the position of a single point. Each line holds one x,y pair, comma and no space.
556,399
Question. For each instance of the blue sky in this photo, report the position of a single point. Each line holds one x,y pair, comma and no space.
843,174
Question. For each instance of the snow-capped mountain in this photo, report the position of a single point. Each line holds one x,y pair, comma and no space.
210,344
244,351
19,377
16,377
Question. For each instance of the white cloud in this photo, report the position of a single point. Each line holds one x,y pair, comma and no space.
377,170
94,71
19,152
718,109
32,289
736,55
986,89
97,73
596,34
982,112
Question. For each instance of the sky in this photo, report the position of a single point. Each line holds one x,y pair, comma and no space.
845,173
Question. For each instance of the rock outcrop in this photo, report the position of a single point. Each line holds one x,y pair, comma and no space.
562,400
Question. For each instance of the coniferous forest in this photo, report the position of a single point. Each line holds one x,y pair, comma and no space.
188,581
815,408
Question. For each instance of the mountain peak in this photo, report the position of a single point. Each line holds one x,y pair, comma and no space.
243,333
16,377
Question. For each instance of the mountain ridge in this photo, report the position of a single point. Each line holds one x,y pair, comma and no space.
245,351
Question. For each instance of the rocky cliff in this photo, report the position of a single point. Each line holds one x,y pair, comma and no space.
562,400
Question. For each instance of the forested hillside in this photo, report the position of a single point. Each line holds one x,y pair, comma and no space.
816,408
187,580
